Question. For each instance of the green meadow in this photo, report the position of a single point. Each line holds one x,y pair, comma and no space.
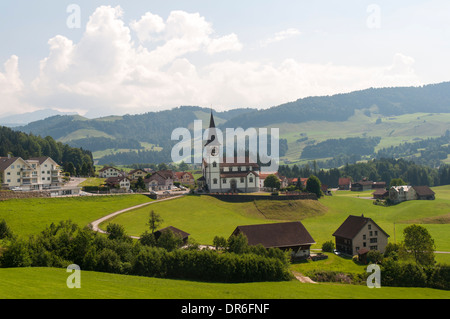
50,283
205,217
31,216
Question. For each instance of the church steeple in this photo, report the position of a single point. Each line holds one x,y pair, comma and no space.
212,136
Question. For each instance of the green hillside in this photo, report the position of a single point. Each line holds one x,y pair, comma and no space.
396,115
50,283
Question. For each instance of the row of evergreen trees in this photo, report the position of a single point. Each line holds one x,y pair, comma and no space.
375,170
24,145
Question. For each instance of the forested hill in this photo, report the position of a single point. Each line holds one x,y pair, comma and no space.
433,98
24,145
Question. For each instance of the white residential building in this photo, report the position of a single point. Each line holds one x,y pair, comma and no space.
33,174
108,171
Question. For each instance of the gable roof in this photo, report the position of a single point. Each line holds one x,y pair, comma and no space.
352,226
276,235
40,159
345,180
5,162
174,230
423,190
106,168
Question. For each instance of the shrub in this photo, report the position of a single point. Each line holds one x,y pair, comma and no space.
328,246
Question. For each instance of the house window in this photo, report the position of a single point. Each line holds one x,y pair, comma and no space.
242,179
364,237
376,233
357,248
369,227
224,180
215,181
373,240
251,179
214,164
370,233
364,244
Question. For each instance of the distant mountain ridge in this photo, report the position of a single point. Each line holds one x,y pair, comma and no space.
26,118
155,128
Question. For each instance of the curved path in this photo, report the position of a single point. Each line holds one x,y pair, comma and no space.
95,224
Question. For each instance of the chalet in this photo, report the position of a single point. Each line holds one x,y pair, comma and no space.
177,232
161,180
286,236
424,193
345,183
379,185
398,194
136,173
380,193
361,186
120,182
108,171
184,178
359,232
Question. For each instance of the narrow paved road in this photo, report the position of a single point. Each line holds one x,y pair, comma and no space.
95,224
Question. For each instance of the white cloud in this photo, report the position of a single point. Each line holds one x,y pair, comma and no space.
280,36
106,72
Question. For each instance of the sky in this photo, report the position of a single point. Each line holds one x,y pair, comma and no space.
100,58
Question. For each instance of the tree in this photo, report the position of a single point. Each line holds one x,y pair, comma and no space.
396,182
147,239
169,240
328,246
5,231
140,184
116,231
314,186
154,221
272,182
419,244
219,242
238,244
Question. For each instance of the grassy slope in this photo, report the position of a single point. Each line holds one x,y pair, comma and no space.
393,130
50,283
31,216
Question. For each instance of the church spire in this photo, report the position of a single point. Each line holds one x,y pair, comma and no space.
211,121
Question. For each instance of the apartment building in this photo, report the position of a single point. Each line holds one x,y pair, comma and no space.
36,173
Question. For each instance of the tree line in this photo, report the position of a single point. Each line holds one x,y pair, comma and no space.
376,170
24,145
65,243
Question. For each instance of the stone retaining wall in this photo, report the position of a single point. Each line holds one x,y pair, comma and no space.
235,198
6,195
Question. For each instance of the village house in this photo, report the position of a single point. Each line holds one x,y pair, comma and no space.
286,236
161,180
136,173
177,232
33,174
360,233
398,194
185,178
345,183
363,185
120,182
108,171
380,193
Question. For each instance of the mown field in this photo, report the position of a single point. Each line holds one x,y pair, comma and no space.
50,283
205,217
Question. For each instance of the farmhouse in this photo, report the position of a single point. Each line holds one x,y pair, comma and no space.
119,182
161,180
361,186
229,175
359,232
136,173
424,193
108,171
380,193
345,183
184,178
290,235
182,234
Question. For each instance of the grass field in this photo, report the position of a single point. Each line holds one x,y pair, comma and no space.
31,216
50,283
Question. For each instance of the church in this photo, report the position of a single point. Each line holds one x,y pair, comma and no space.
229,175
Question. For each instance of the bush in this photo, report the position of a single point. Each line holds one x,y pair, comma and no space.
328,246
5,231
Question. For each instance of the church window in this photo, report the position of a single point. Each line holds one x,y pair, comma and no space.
214,164
215,181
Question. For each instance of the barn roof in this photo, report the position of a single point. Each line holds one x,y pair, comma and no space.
276,235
